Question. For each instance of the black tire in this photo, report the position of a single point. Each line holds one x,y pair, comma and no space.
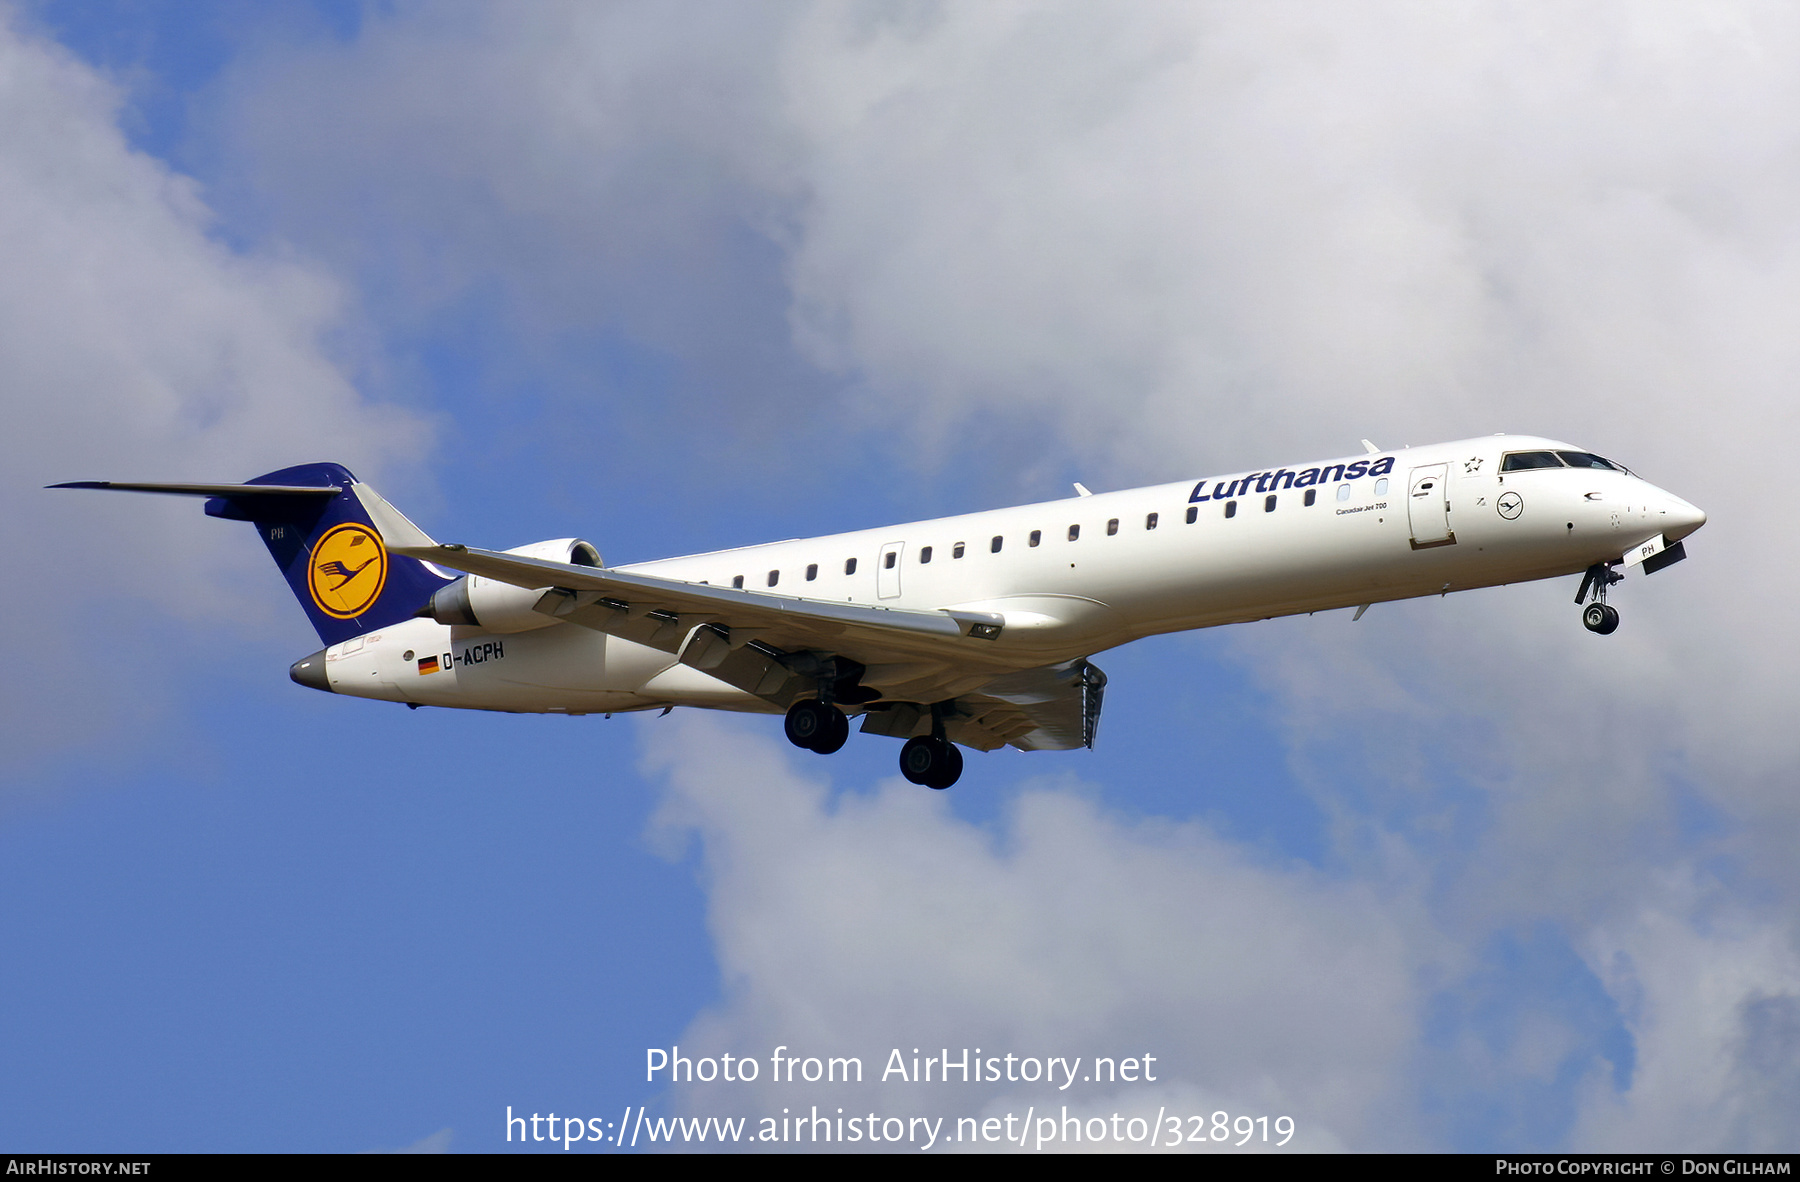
1612,620
835,734
934,763
1599,618
807,721
919,759
950,772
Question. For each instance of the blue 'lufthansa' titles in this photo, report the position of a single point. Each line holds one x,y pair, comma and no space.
1263,482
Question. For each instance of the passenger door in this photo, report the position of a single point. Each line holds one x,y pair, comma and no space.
1428,506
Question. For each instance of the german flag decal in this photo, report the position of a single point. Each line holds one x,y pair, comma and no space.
427,665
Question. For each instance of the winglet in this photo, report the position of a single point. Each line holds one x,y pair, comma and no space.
1081,490
397,533
1370,447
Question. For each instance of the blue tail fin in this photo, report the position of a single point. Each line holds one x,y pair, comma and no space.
330,552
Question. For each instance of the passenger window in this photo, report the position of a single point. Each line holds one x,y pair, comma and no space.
994,546
1231,508
1269,503
737,582
956,551
1037,535
849,566
774,577
1193,514
1112,527
1381,487
924,555
1150,521
1074,532
1312,494
812,571
1343,492
1519,461
887,559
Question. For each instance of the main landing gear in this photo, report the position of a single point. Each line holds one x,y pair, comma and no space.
931,760
1599,616
817,726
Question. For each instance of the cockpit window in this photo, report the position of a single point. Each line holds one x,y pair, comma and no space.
1518,461
1587,459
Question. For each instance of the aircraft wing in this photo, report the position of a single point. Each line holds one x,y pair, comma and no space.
1053,708
750,639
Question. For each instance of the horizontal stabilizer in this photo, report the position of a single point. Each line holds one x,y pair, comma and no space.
321,538
209,490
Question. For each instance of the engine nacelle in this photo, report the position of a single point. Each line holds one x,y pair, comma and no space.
502,607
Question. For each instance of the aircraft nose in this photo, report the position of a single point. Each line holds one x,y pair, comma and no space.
310,672
1680,518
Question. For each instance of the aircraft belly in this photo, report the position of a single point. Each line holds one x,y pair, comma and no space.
684,685
556,669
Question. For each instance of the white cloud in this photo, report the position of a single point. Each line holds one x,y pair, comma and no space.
1171,238
1717,1015
856,924
134,345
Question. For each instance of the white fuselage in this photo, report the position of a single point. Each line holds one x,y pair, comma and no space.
1078,576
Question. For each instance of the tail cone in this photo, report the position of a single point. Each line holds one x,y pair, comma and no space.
310,672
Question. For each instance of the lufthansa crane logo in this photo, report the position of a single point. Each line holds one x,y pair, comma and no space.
1510,504
348,570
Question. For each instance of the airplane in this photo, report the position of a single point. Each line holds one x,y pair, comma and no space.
970,631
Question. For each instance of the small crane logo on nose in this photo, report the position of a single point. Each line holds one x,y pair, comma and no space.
1510,505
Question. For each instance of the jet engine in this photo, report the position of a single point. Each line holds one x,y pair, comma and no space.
502,607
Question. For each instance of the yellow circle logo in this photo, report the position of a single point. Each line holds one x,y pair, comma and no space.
348,571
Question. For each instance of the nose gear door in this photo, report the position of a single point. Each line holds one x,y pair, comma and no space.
1428,507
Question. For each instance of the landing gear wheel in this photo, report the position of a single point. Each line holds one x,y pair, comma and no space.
933,762
816,726
1600,618
952,769
835,734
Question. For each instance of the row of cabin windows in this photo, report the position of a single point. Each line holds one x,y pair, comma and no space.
1312,497
1036,536
812,572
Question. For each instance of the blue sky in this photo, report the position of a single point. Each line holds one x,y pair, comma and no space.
671,278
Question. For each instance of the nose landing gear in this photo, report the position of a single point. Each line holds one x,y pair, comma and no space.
1599,617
